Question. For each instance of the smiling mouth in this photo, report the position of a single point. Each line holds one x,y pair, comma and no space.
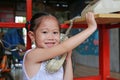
50,44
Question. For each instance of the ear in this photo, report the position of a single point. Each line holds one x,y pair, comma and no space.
31,35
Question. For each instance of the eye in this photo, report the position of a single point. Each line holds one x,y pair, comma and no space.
55,32
44,32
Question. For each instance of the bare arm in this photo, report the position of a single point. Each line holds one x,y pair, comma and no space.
71,43
68,75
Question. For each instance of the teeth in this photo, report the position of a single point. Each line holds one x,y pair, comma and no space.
50,44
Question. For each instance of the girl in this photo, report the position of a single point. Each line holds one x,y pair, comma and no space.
45,33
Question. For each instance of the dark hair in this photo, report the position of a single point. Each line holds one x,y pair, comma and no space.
35,20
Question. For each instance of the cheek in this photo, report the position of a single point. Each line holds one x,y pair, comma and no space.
39,42
39,38
57,39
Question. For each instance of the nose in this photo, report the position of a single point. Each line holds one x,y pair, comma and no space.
50,36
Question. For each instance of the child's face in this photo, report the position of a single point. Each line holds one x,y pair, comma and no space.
47,34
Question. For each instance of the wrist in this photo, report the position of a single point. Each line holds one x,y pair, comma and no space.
68,60
92,28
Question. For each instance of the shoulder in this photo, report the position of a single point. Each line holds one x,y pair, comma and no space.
26,55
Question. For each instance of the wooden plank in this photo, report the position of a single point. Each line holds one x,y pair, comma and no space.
100,19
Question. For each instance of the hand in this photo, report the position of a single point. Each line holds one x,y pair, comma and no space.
91,20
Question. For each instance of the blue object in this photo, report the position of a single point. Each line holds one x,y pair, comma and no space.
89,46
13,37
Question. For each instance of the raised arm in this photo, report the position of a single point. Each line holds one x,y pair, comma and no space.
40,54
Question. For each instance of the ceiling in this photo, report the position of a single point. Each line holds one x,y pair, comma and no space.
56,3
60,5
